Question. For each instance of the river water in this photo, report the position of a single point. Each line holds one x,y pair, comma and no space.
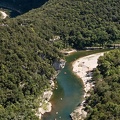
16,8
67,96
69,93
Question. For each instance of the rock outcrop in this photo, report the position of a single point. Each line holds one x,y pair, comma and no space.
58,65
3,15
45,105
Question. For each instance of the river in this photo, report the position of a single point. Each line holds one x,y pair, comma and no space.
15,8
69,93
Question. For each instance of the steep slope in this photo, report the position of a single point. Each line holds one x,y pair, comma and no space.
25,69
80,23
27,52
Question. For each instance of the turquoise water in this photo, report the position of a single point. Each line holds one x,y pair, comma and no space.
70,89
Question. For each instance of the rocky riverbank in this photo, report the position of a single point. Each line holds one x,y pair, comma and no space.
3,15
83,67
45,104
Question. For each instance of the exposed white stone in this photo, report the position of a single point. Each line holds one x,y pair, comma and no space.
4,15
45,105
82,68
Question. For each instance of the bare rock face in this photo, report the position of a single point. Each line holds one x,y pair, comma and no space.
58,65
79,114
45,105
3,15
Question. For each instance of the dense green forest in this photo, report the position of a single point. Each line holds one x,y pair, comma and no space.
79,23
27,52
104,102
25,71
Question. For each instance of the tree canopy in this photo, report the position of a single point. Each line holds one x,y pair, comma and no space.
104,102
80,23
27,52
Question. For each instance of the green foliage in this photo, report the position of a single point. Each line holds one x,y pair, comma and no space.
25,69
104,102
27,54
78,23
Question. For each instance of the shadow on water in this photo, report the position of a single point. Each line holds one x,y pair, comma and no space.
18,7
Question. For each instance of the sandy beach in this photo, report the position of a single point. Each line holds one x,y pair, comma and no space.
82,67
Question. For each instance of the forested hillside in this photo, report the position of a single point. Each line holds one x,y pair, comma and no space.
28,51
26,66
104,102
80,23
